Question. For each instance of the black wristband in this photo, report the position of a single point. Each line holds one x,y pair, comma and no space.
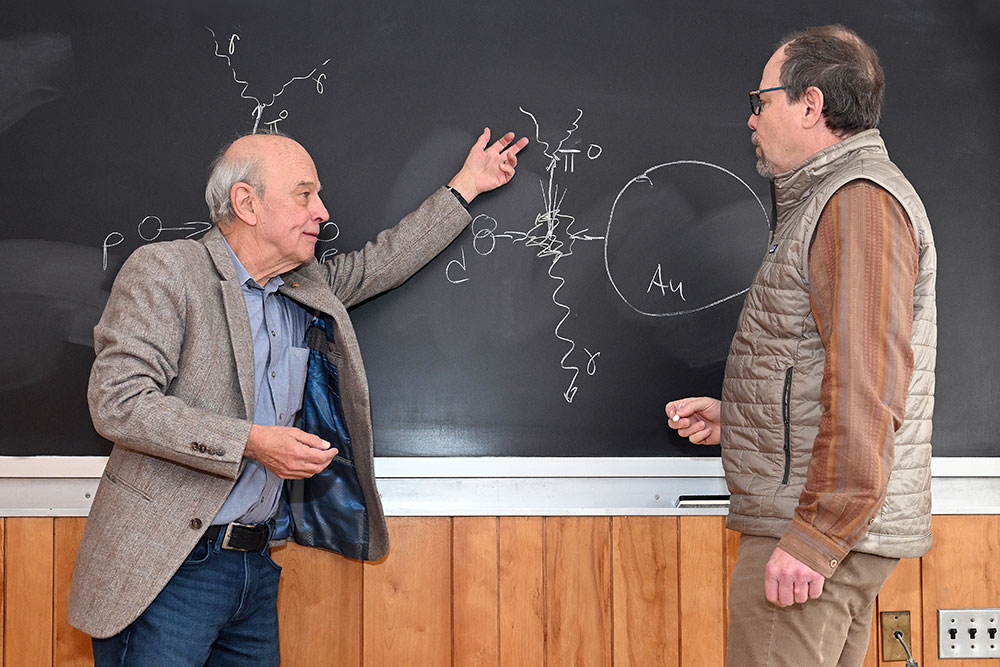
458,196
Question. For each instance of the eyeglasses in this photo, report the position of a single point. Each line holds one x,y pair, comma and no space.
755,98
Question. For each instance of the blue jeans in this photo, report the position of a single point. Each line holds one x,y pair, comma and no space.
219,609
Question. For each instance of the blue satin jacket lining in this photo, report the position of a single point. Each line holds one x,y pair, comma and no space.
326,510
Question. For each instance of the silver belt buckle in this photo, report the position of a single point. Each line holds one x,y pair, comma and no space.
229,530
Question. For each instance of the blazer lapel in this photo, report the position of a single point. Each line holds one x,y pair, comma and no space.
236,316
306,286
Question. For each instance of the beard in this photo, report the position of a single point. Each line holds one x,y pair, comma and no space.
764,167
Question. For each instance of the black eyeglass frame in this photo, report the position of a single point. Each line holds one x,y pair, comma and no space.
755,104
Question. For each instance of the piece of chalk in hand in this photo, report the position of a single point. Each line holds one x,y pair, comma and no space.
677,418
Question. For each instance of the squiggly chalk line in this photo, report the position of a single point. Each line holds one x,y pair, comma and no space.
259,109
551,246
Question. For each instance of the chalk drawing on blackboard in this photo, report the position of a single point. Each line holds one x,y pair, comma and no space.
674,237
569,154
665,231
552,233
151,227
328,233
461,264
259,107
110,241
657,281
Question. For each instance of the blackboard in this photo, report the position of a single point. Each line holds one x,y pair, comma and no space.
583,297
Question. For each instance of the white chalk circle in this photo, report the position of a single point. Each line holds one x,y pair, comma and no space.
682,237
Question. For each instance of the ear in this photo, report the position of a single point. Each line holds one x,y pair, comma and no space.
812,105
244,200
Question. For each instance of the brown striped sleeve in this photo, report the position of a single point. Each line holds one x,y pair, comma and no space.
862,271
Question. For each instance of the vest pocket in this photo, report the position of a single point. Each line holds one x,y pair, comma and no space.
786,416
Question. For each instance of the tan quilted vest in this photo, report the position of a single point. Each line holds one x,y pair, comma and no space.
770,396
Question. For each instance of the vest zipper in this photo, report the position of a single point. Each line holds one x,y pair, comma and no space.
786,411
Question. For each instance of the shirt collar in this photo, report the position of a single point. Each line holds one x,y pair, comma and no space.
244,276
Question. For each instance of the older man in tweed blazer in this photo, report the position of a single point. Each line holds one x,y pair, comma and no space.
199,361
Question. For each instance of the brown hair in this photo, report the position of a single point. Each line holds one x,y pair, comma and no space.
838,62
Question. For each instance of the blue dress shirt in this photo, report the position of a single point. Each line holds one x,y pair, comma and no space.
280,357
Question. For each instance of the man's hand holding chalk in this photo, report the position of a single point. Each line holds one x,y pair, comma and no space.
697,419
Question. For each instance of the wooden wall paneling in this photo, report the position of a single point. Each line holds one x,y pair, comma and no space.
29,591
578,591
407,596
476,607
320,605
72,647
567,578
732,550
521,591
901,592
959,572
645,591
702,591
3,587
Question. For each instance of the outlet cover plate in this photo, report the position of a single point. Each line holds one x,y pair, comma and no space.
965,633
891,621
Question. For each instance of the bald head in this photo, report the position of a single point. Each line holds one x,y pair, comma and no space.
268,148
249,159
264,193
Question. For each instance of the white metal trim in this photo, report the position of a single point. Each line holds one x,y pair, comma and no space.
503,486
496,466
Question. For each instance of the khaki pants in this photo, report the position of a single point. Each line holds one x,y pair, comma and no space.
830,631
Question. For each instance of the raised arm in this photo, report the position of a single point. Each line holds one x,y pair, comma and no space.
399,252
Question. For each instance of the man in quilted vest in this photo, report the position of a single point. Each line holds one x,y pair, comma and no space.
825,417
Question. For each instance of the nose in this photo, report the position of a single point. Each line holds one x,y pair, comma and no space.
319,212
752,122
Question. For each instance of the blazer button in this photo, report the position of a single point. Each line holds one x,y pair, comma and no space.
195,524
202,448
194,446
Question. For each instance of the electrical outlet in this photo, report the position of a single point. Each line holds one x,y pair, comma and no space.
969,633
892,622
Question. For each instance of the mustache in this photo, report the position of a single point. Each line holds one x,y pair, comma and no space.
753,138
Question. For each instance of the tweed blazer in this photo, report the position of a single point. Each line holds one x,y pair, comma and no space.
173,387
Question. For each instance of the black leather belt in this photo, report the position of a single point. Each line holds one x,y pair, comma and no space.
241,536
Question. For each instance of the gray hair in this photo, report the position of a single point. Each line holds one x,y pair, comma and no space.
225,173
838,62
